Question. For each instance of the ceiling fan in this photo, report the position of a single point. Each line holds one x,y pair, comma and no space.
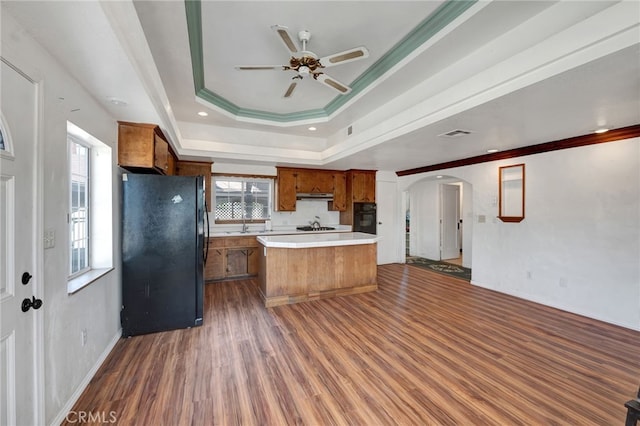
307,64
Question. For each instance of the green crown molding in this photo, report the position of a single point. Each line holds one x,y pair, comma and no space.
434,23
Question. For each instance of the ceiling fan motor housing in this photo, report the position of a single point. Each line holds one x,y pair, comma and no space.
304,36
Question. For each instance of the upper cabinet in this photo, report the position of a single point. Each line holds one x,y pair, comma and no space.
197,168
292,181
339,181
171,163
142,148
286,189
361,185
314,181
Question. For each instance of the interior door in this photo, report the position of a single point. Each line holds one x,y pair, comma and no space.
449,222
386,211
18,278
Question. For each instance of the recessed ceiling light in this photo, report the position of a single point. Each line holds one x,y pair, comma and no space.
602,130
117,101
313,129
492,150
439,177
203,114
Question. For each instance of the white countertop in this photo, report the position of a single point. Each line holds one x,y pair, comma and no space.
283,230
315,239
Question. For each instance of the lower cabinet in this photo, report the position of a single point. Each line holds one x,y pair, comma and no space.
214,268
236,262
231,257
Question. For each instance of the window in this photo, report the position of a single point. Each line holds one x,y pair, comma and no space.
90,232
79,207
240,199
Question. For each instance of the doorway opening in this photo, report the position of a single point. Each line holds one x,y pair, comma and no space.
435,226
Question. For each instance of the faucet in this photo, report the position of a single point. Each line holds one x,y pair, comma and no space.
245,228
316,223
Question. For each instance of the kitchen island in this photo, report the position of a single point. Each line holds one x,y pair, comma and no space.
298,268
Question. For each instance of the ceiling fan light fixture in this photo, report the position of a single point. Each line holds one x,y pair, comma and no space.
304,70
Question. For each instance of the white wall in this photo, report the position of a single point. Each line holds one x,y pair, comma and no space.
96,307
578,248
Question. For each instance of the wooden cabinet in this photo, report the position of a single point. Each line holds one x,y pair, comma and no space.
291,181
339,202
253,260
363,185
286,183
231,257
171,163
236,262
314,181
197,168
360,188
142,148
214,267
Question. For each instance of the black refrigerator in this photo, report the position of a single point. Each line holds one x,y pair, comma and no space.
163,250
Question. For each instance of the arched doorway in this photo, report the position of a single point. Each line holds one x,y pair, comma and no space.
438,216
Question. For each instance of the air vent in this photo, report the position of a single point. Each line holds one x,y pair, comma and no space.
455,133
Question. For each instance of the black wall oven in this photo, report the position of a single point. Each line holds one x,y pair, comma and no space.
364,217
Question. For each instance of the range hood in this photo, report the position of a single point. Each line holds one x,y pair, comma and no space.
324,196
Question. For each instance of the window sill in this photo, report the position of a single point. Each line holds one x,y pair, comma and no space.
76,284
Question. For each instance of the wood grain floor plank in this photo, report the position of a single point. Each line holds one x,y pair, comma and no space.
424,349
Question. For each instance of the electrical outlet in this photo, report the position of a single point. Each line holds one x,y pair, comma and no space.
84,336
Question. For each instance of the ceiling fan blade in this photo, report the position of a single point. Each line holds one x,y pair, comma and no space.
288,41
331,82
350,55
259,67
289,91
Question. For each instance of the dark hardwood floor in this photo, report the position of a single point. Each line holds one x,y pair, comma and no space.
425,349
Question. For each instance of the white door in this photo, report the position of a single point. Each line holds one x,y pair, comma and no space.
18,337
449,222
386,212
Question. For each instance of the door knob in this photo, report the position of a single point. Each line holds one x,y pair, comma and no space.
31,303
26,277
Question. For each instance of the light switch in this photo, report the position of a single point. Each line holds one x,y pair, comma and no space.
49,238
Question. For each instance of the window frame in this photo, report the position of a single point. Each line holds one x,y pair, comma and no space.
100,202
244,179
72,140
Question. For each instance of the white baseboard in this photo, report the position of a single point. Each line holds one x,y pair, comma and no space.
85,382
560,306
